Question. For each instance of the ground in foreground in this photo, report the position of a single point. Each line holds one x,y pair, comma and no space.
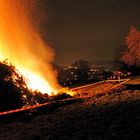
108,116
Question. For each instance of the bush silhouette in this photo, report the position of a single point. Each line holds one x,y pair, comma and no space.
14,92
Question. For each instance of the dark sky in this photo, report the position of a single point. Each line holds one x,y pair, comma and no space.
89,29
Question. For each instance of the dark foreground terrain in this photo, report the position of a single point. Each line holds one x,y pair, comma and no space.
102,117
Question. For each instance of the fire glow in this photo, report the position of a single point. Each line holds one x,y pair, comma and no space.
21,44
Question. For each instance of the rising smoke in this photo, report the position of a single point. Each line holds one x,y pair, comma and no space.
20,41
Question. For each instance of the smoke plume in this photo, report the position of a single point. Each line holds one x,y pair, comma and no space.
21,44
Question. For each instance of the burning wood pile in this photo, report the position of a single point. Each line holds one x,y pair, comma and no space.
22,45
14,92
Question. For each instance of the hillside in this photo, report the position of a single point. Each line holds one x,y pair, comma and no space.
106,116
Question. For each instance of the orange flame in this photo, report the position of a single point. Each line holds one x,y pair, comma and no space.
22,46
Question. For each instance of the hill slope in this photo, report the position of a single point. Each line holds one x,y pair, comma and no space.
108,116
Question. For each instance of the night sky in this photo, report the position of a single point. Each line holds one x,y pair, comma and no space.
89,29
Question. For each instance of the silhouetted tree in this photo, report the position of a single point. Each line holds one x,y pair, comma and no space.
83,67
118,63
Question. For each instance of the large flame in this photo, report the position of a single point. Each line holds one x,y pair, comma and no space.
22,46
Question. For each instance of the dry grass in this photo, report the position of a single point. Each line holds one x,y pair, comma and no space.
109,116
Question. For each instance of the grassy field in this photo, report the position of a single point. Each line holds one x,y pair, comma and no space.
112,115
